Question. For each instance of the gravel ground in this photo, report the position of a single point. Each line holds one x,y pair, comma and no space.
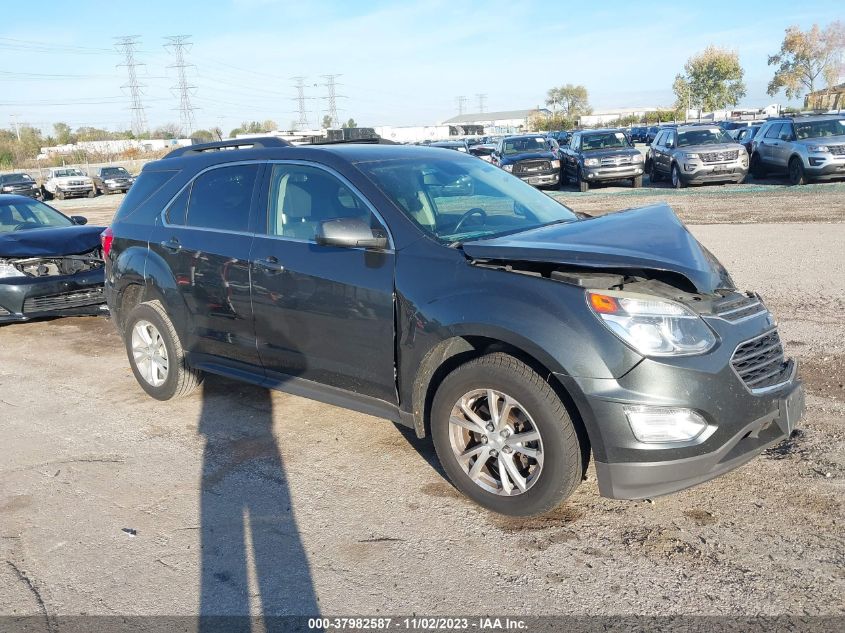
300,506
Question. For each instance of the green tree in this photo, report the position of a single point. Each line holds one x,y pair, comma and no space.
206,136
327,121
167,131
570,101
807,56
62,133
712,80
350,123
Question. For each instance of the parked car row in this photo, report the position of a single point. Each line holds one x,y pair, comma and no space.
68,182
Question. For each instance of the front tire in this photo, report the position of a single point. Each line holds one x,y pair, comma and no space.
796,172
653,174
583,185
677,180
637,182
757,168
92,193
156,354
532,458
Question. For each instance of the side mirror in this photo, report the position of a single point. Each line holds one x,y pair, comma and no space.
349,233
79,219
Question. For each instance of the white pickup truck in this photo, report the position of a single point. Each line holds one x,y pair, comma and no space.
67,182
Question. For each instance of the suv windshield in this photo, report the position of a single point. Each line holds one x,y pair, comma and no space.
9,178
114,172
604,140
819,129
710,136
61,173
29,214
521,145
454,200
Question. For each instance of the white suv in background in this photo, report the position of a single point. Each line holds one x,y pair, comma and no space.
68,182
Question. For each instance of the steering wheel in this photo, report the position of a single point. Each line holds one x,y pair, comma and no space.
471,212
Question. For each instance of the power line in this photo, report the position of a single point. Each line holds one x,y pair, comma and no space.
128,45
481,98
178,44
461,101
332,98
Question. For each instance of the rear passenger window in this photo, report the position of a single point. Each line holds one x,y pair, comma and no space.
220,198
774,131
177,212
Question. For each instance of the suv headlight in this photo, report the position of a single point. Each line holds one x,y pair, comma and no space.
507,167
555,164
7,271
591,162
818,148
637,158
7,188
689,155
653,327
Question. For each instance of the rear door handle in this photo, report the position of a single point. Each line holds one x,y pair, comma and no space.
270,264
171,245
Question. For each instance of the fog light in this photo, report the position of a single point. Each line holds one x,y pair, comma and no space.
659,425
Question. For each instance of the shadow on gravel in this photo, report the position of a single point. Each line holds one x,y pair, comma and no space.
248,525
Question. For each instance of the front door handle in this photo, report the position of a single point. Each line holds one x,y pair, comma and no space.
171,245
270,264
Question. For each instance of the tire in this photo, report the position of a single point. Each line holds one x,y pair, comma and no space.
179,378
46,195
583,185
653,174
535,407
92,193
637,182
796,172
757,168
677,181
60,195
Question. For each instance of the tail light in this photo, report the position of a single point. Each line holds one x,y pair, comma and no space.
106,239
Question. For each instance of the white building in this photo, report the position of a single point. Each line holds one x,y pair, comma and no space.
412,133
115,146
604,117
504,122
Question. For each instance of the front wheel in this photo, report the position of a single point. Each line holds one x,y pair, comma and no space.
92,193
757,168
796,172
677,181
653,174
637,182
504,437
583,185
156,354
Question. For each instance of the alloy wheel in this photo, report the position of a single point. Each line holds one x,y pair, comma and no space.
149,353
495,442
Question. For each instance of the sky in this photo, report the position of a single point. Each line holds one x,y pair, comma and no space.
399,63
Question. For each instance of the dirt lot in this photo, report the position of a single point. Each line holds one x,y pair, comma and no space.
312,507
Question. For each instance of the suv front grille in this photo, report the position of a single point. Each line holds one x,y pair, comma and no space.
836,149
613,161
76,299
760,362
739,307
719,157
531,166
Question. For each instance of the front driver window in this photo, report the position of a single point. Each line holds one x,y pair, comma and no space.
301,197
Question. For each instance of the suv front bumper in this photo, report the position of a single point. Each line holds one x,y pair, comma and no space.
620,172
825,166
36,297
697,171
541,179
741,423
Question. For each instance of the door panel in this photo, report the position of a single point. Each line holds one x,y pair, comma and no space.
321,313
206,242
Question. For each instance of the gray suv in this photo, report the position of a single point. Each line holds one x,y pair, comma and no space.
806,148
692,154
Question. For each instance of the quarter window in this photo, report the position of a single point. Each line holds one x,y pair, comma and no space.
301,197
177,212
220,198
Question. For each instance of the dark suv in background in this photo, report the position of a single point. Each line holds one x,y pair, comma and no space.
430,288
19,184
529,158
601,155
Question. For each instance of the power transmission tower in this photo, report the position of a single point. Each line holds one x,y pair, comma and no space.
481,98
300,99
178,44
461,101
332,97
127,45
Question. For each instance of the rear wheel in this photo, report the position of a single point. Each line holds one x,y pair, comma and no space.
677,181
796,172
156,354
504,437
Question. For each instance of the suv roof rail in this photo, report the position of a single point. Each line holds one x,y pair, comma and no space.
235,143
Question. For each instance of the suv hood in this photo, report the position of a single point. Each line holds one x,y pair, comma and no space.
650,238
53,242
63,180
824,140
710,148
